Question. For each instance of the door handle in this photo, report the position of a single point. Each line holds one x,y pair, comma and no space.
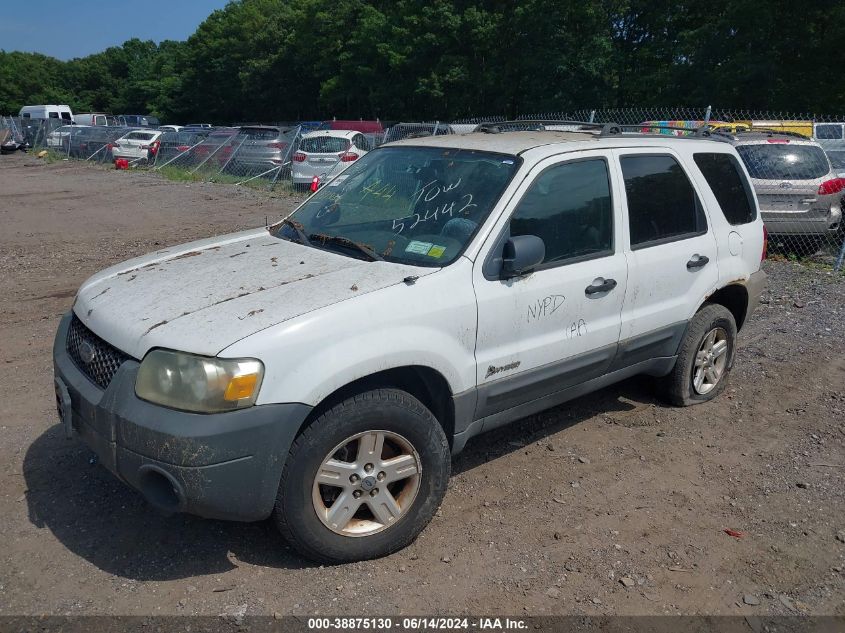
697,261
594,288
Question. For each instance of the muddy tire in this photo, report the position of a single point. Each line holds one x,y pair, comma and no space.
705,359
364,478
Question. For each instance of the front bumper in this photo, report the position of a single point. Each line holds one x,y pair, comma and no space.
222,465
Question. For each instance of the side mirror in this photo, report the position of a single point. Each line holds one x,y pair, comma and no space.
521,255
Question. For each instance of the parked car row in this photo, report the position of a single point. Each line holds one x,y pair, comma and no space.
797,168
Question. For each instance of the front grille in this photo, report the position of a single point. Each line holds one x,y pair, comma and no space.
103,360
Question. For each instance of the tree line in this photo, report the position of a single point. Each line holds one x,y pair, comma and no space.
276,60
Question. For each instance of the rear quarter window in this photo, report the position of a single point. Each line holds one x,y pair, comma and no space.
729,185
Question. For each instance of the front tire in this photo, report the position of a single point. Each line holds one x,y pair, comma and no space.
364,478
705,358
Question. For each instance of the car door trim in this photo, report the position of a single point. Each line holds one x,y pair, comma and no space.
660,343
536,383
652,367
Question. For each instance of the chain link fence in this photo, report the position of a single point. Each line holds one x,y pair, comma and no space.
796,160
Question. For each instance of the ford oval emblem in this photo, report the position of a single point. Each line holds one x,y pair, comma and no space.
86,352
785,185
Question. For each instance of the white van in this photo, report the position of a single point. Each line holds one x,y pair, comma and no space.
47,112
95,118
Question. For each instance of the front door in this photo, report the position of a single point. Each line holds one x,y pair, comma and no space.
559,325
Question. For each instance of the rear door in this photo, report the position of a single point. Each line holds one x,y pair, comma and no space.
672,254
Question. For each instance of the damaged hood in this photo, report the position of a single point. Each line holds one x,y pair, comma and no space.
203,296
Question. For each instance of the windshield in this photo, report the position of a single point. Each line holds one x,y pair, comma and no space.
324,145
784,162
413,205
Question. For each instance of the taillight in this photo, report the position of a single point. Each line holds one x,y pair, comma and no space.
348,157
765,244
299,157
277,145
154,147
315,183
183,148
831,186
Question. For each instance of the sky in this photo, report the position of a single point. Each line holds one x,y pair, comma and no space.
75,28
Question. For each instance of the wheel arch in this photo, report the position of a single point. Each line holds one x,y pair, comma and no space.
733,297
427,385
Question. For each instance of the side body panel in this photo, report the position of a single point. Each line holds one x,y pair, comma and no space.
429,323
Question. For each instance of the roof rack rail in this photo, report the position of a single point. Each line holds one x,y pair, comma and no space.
603,129
496,127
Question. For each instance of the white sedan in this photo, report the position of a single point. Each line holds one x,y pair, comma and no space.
326,153
137,145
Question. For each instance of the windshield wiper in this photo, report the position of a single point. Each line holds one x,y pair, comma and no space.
297,228
345,241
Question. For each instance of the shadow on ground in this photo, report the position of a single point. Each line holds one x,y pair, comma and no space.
110,525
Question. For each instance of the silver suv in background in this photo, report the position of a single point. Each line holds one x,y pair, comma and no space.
799,192
261,147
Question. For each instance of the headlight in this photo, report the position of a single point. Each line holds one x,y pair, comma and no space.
198,383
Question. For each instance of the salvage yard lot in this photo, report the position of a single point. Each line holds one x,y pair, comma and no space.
612,504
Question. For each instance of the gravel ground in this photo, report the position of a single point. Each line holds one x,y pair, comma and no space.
612,504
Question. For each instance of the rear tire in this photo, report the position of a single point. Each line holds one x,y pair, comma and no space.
391,504
705,358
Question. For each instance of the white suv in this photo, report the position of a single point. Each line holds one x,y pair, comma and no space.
323,370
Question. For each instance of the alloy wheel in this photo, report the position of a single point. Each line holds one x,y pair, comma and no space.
366,483
711,360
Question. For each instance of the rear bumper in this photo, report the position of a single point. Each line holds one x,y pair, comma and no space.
304,174
802,224
222,466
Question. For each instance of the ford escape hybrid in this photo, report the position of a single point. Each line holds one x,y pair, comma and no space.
323,370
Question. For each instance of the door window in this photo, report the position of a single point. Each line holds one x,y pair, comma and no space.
569,207
829,132
662,204
732,191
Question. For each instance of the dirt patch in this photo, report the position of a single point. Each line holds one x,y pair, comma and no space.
613,504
